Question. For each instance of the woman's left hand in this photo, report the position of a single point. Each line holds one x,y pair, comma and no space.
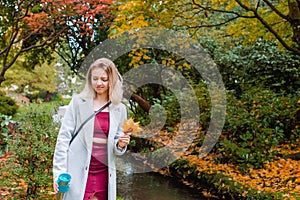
124,139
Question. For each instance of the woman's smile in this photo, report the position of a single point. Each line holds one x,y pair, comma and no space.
100,81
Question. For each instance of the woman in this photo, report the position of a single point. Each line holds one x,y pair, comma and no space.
89,159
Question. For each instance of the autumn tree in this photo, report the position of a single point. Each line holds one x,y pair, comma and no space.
20,33
85,30
235,23
33,82
32,28
130,15
268,19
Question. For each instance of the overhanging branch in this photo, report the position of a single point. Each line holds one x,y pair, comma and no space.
268,27
280,14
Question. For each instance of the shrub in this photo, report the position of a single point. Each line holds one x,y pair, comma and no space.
255,124
166,105
263,63
204,101
6,129
33,148
8,105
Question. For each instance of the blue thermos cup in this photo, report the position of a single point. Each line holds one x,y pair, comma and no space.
63,182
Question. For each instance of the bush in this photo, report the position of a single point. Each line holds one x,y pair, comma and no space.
166,105
243,67
8,105
169,102
33,148
255,124
204,101
7,127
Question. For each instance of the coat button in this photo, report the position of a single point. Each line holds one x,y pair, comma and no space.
86,168
109,175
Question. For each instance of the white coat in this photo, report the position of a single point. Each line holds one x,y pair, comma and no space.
75,159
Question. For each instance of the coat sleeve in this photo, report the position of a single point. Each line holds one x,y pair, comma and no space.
120,132
67,128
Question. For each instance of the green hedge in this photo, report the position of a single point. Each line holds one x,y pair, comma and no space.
255,124
33,146
8,105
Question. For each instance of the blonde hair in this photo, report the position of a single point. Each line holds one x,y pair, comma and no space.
115,81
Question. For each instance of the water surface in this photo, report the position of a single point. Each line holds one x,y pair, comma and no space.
151,186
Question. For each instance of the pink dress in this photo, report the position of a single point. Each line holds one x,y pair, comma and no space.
97,181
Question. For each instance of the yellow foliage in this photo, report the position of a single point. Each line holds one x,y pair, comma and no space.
167,14
130,15
186,65
252,29
282,175
231,4
146,57
130,124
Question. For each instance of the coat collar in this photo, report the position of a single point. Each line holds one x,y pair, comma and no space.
87,103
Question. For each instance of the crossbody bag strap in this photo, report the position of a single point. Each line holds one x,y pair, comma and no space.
90,117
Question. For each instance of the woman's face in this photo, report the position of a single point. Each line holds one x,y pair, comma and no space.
100,81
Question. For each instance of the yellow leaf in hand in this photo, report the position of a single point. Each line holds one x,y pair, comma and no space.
136,128
130,124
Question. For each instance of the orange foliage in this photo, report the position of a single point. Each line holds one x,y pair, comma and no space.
281,175
62,12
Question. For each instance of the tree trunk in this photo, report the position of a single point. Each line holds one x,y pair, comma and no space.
47,97
1,79
145,105
294,15
295,156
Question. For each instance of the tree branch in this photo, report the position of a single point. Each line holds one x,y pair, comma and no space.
276,10
48,39
257,5
51,37
218,10
256,15
15,30
214,25
268,27
63,57
237,15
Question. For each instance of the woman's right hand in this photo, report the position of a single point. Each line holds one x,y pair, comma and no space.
55,186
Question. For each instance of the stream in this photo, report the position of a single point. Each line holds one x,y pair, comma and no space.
151,186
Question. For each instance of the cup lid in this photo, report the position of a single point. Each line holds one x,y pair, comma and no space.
64,177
